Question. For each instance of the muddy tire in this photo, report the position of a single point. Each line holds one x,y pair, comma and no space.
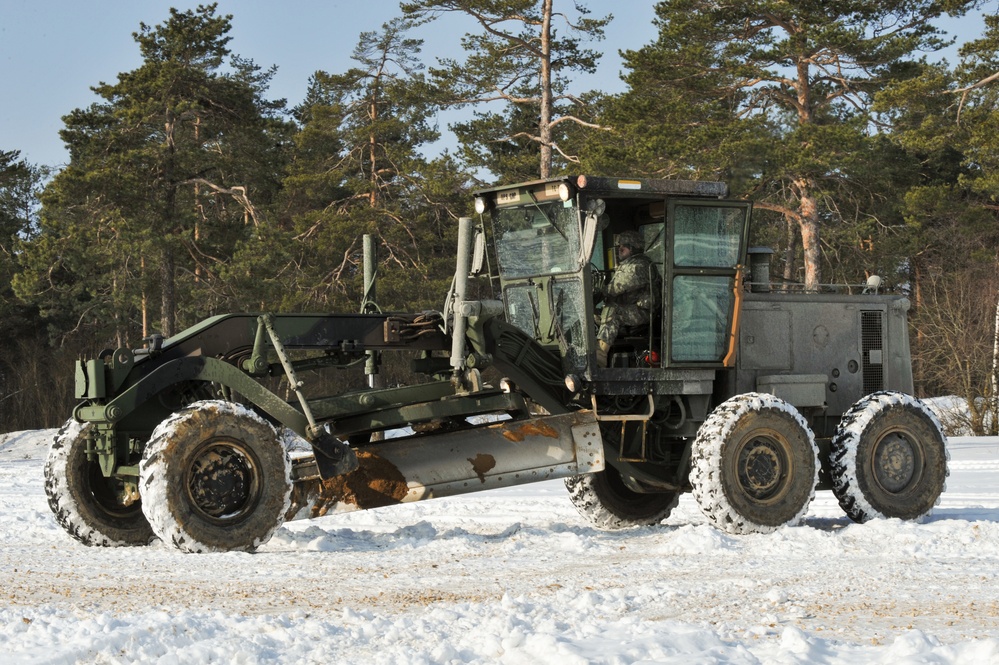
604,500
888,458
754,465
215,477
84,502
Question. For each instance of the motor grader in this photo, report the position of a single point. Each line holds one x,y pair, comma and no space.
748,394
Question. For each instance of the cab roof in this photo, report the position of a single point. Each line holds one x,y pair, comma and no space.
610,186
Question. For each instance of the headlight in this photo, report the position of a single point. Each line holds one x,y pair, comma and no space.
480,204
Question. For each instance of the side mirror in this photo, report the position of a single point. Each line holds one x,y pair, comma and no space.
591,224
588,239
478,253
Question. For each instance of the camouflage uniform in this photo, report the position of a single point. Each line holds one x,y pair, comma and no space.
633,291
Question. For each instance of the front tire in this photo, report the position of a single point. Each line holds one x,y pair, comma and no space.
888,458
604,500
754,465
214,478
85,503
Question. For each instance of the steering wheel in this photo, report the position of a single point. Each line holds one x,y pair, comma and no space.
598,277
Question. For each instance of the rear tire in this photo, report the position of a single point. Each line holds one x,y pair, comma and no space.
604,500
754,465
85,503
888,459
214,478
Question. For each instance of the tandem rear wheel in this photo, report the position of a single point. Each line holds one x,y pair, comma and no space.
754,465
888,458
754,462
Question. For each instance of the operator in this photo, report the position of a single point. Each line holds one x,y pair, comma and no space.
632,294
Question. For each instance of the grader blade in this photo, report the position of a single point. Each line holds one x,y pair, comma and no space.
412,469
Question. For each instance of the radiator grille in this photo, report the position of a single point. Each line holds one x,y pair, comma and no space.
871,340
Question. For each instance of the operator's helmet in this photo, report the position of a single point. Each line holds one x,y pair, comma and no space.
630,239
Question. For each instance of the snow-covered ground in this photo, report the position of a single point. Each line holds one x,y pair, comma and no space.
513,576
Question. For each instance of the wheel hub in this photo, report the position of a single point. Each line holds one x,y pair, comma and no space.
761,468
112,495
894,463
222,482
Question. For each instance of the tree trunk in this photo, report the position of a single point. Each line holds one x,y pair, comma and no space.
809,223
791,251
373,154
545,121
919,384
168,301
197,204
168,266
809,220
993,425
145,298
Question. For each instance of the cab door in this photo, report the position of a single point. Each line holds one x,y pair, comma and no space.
704,263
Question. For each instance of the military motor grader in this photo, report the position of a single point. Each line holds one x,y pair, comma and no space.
749,396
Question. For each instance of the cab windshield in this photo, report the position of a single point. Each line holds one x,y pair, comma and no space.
540,239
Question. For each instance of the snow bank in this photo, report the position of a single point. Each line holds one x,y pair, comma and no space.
27,445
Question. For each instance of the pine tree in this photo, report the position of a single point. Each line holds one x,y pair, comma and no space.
357,169
796,80
19,182
519,59
168,174
945,119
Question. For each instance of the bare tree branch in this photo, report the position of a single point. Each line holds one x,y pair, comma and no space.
238,193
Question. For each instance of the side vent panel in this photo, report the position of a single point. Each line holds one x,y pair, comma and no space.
871,346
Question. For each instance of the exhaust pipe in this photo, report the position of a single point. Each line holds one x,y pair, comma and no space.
759,269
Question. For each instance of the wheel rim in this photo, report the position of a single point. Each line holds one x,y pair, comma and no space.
763,466
896,462
223,481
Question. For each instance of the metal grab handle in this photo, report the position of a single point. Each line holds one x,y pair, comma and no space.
624,419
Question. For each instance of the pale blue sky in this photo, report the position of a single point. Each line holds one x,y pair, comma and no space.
53,51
